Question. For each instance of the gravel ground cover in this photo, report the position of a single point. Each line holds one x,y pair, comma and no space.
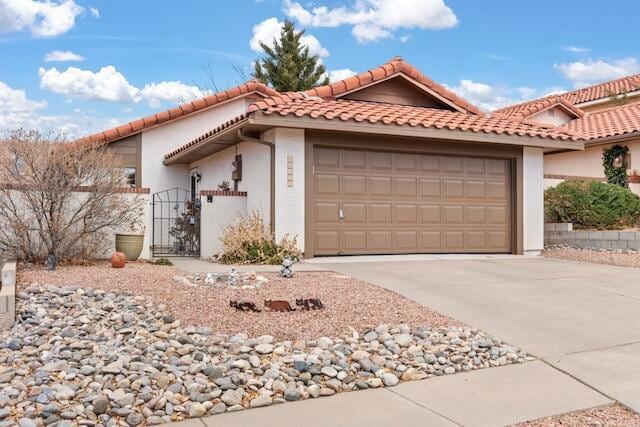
621,258
609,416
349,303
87,357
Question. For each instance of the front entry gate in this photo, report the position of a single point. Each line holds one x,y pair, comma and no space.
176,223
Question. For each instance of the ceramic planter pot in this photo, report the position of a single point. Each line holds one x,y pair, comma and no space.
130,244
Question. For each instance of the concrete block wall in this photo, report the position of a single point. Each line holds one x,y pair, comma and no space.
7,295
563,234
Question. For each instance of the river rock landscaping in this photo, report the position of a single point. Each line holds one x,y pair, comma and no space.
620,258
93,357
349,303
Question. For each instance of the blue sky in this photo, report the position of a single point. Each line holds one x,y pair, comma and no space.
80,66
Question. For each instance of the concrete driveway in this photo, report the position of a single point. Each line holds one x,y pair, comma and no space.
581,318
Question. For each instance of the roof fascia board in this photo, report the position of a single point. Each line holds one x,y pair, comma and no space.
417,131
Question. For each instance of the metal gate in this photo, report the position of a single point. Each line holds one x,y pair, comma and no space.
176,223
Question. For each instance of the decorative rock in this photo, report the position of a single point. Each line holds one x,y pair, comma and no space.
292,395
100,404
196,409
264,348
389,380
329,371
231,397
261,400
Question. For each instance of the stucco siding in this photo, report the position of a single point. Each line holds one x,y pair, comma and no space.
256,175
290,184
214,217
533,200
157,142
552,116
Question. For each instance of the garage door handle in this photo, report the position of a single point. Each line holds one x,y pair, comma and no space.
340,214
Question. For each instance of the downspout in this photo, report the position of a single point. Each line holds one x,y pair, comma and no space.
272,149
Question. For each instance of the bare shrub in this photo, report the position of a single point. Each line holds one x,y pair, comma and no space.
61,198
246,241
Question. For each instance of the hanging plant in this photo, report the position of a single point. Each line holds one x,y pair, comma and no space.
615,175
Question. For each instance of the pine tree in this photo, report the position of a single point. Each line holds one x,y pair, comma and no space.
288,66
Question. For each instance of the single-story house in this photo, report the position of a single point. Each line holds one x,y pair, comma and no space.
605,115
384,162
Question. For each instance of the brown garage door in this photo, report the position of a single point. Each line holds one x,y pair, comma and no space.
374,202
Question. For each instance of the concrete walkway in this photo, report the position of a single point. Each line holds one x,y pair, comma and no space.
581,318
489,397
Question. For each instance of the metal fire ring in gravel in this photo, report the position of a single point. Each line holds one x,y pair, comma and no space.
91,357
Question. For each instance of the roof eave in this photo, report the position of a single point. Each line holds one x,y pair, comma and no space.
416,131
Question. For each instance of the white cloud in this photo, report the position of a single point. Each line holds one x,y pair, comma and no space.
337,75
95,12
372,20
576,49
587,72
42,18
491,97
63,56
269,29
109,84
157,93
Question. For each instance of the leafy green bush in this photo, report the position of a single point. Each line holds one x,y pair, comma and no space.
245,241
592,204
162,261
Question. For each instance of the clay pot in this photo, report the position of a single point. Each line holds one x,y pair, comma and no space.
118,260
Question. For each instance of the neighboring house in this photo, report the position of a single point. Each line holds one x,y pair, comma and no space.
604,115
384,162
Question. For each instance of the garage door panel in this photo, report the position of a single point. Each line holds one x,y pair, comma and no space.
379,186
406,214
380,240
327,158
497,214
430,187
452,241
354,241
354,159
430,163
406,240
326,213
475,190
474,166
327,184
380,161
497,190
475,240
354,185
453,188
453,165
354,213
380,213
326,241
405,202
430,214
475,215
430,241
453,214
405,187
497,240
406,162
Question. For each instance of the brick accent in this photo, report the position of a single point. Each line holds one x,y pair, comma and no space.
223,193
83,189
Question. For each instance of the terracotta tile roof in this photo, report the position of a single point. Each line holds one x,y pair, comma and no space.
611,122
394,114
301,105
196,105
587,94
392,68
523,111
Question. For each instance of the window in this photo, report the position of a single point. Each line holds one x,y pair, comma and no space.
130,176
